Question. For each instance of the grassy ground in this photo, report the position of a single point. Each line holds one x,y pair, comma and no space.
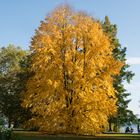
40,136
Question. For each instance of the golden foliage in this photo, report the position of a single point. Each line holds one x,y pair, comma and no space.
72,87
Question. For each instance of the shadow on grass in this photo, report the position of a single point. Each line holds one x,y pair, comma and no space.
39,136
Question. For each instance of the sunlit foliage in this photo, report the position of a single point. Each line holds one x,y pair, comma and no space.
71,90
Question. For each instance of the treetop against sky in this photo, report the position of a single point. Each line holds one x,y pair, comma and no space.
19,19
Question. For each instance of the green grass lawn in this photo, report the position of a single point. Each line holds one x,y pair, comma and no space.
21,135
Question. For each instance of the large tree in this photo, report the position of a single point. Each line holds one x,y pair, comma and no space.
71,90
124,115
11,83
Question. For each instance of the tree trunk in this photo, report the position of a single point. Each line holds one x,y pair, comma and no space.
9,123
110,126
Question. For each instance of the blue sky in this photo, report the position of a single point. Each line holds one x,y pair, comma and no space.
19,19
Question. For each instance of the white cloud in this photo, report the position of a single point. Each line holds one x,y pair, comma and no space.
133,60
132,86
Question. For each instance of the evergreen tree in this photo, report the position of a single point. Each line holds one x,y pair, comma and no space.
124,115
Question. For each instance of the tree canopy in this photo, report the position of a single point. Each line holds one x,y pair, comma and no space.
124,115
10,83
71,89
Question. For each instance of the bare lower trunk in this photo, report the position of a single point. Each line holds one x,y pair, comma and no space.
110,126
9,123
